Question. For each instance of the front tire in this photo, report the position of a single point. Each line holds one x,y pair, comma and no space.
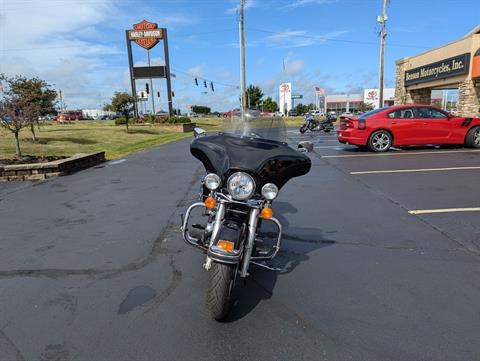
380,141
220,285
472,140
303,128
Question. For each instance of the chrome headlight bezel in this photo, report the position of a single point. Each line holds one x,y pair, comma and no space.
212,181
269,191
249,184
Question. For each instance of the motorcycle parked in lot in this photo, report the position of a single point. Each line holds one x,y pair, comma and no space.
314,125
246,166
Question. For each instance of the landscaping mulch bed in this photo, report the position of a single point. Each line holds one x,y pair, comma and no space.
29,159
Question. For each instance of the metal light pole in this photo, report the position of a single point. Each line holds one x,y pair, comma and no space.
382,19
243,84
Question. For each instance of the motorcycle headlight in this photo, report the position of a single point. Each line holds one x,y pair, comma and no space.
269,191
212,181
241,186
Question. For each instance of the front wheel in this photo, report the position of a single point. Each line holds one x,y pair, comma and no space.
472,139
380,141
303,128
220,285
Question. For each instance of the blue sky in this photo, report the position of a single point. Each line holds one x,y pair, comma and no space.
79,45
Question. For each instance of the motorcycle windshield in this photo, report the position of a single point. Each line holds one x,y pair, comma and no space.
256,146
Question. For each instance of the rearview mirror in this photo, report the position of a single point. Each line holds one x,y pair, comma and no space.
305,147
199,132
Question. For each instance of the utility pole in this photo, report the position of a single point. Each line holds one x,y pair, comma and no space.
243,85
382,19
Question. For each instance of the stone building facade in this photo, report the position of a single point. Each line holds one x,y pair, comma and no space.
440,69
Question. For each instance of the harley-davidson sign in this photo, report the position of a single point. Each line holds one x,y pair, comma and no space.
145,34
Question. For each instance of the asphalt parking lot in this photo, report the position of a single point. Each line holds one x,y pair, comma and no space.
93,268
433,183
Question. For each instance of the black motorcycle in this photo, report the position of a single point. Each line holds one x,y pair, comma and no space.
314,125
245,171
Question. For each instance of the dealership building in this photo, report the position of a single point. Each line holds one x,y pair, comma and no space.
343,103
455,65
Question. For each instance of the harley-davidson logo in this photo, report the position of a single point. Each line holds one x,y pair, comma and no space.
145,34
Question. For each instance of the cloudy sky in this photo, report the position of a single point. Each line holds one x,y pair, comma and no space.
79,45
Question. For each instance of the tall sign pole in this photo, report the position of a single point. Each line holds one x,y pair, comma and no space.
243,84
382,19
132,78
167,72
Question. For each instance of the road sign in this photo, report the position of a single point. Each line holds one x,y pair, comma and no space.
297,96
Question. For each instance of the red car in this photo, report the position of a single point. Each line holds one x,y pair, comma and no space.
404,125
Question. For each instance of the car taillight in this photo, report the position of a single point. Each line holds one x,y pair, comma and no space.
346,123
362,124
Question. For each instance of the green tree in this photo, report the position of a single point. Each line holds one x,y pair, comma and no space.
24,100
254,96
269,105
200,109
364,107
122,103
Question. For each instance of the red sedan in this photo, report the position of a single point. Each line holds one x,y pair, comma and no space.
404,125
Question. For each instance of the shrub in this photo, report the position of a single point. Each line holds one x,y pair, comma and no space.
179,120
120,121
149,118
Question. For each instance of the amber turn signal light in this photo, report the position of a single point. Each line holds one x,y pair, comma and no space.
267,213
210,202
226,245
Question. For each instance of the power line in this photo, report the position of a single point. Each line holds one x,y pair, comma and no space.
204,79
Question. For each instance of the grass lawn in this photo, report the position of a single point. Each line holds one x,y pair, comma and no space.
93,136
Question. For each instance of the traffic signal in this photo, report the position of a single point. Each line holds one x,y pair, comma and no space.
158,94
173,94
142,95
196,81
147,88
211,86
205,83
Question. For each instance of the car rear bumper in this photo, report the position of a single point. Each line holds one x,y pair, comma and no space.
352,136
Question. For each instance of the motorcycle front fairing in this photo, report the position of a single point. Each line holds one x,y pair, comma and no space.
268,161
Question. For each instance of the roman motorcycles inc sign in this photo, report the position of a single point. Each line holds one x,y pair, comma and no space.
458,65
145,34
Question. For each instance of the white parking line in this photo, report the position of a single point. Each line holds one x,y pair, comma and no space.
399,153
444,210
414,170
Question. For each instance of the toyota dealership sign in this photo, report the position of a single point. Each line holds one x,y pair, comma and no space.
285,97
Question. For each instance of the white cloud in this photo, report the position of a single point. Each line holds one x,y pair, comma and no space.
294,67
69,43
300,38
299,3
197,71
248,5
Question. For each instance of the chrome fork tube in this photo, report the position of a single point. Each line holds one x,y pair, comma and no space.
252,232
218,222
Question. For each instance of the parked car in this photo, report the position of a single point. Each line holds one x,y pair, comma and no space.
292,113
162,113
231,113
405,125
278,114
317,113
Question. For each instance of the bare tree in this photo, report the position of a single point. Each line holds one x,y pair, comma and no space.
23,101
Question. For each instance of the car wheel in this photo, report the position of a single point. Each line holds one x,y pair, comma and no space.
380,141
472,139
